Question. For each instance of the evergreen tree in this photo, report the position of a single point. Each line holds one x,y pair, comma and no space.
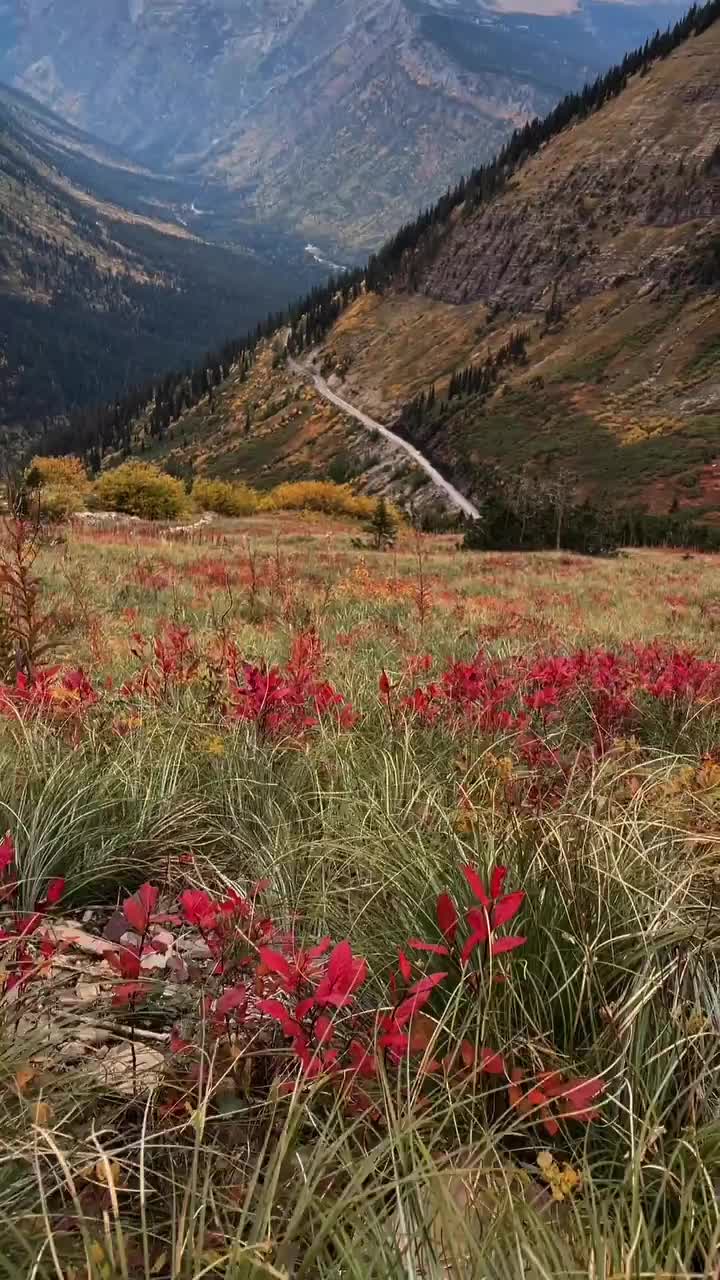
382,527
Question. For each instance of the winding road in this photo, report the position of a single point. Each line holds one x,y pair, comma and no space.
457,498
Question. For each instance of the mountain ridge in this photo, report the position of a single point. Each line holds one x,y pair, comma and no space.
335,118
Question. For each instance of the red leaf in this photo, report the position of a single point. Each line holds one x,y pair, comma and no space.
364,1062
484,1060
396,1040
26,925
126,962
384,685
536,1098
339,968
7,853
177,1044
447,917
493,1063
324,1030
434,948
138,909
552,1083
477,918
476,886
276,963
344,974
473,941
231,1000
276,1010
405,967
497,881
578,1093
550,1125
55,891
428,983
406,1010
197,907
506,908
502,945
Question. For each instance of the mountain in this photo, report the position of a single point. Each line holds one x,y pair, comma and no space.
557,315
102,283
335,119
603,251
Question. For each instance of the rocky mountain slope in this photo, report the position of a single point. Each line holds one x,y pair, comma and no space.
336,118
603,253
101,284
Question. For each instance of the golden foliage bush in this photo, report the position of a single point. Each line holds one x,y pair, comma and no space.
321,495
225,499
62,485
140,489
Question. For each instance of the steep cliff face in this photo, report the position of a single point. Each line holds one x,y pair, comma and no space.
335,117
621,198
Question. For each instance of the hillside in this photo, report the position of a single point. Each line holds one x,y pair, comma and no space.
101,284
603,250
557,315
335,119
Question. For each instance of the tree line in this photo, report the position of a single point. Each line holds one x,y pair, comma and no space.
520,512
479,378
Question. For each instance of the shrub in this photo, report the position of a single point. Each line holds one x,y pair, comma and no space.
323,495
61,483
140,489
225,499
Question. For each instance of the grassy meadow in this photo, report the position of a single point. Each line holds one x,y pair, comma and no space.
497,777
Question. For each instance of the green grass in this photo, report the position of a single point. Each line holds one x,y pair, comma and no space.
358,832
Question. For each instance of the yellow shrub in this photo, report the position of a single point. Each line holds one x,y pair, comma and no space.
225,499
62,485
321,495
140,489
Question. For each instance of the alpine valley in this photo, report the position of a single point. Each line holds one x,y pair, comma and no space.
556,315
334,119
103,279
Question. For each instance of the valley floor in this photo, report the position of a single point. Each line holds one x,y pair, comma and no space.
358,908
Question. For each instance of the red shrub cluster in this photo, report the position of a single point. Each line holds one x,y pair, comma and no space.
501,696
51,692
256,988
173,662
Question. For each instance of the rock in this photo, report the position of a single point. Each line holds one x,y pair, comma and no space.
129,1069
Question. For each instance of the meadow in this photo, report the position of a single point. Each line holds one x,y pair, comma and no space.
359,908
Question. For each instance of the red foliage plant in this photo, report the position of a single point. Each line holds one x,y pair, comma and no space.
259,984
517,694
23,961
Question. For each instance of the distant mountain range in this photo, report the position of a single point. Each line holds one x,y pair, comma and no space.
103,279
334,119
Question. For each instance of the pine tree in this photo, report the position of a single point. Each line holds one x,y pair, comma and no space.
382,527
